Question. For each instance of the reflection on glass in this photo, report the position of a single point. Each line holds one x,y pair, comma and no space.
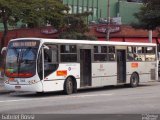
21,61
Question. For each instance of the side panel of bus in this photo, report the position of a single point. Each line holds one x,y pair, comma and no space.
145,70
55,81
99,73
104,74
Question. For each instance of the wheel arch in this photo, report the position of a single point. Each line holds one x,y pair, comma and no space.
135,72
134,79
74,83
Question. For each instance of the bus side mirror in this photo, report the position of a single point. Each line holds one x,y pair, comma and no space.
45,47
3,51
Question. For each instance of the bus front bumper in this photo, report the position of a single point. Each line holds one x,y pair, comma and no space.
37,87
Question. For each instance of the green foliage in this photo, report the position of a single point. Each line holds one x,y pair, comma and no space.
8,9
76,22
149,15
34,13
75,26
39,12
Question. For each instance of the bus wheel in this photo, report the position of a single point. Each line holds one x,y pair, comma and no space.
40,93
68,86
134,80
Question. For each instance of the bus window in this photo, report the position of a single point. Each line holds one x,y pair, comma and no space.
129,49
139,50
104,49
68,53
130,56
150,50
50,59
150,54
111,53
100,53
139,54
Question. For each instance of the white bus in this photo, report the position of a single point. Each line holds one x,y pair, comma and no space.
44,65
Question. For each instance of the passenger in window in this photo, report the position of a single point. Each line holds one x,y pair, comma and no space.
135,56
111,57
130,57
46,57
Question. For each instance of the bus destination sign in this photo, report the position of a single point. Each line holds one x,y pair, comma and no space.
24,43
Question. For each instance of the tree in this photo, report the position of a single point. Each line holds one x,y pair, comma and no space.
76,22
34,13
75,26
39,12
6,15
149,15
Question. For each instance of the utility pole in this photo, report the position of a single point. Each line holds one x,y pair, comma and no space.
108,21
150,36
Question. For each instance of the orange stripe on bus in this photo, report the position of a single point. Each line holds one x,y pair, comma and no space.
62,73
134,65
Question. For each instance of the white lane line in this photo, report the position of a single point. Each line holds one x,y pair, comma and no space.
49,98
91,95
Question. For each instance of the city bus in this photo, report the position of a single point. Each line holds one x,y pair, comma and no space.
45,65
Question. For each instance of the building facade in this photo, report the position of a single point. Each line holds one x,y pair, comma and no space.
120,11
103,9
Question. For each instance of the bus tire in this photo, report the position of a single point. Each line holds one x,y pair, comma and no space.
75,87
134,80
39,93
68,86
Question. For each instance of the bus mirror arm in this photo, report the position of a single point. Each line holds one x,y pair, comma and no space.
45,47
3,51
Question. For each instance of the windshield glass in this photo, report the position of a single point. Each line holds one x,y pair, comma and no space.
21,59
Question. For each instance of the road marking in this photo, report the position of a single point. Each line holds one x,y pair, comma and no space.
49,98
89,95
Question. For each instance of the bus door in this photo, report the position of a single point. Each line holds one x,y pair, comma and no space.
85,67
47,60
121,66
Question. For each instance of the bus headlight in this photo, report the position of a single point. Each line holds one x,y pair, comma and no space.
32,82
6,82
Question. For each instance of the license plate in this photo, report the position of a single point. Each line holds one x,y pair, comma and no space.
17,87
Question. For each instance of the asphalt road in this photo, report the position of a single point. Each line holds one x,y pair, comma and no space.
144,99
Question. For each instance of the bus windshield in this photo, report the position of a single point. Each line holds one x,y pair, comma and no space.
21,59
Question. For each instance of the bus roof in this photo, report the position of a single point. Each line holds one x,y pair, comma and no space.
86,42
